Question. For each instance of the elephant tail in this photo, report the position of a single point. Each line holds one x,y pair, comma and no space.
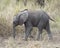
51,19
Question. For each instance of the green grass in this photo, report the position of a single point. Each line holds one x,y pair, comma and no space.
4,4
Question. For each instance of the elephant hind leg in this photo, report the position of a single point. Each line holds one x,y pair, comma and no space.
48,31
40,27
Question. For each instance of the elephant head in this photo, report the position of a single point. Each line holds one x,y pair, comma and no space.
19,19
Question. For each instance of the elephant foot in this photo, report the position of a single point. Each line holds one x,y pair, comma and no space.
50,39
26,39
39,39
31,36
14,37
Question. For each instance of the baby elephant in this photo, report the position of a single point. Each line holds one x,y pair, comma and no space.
30,19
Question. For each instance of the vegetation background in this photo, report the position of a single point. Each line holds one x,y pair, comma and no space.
9,8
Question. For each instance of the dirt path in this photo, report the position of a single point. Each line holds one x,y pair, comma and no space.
20,43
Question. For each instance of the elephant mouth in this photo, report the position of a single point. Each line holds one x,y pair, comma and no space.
21,23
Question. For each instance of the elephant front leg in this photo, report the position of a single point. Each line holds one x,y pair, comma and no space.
27,32
14,32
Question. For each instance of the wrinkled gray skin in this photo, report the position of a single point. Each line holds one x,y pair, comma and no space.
30,19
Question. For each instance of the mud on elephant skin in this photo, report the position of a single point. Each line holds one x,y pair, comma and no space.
30,19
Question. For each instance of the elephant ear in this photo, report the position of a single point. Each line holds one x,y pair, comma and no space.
23,17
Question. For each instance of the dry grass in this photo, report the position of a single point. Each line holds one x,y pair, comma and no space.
9,8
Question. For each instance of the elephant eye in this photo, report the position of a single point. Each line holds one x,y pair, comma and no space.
21,14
